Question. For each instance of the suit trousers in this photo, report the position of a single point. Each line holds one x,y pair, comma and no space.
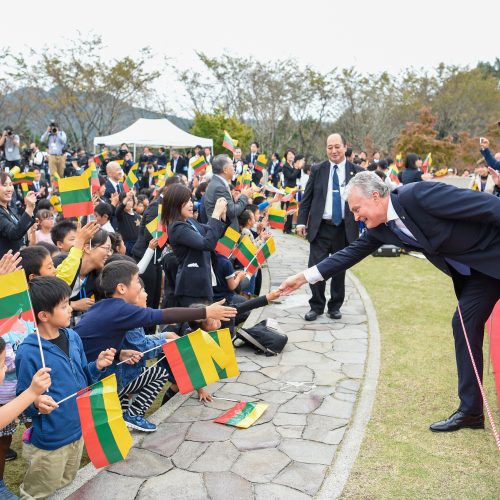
152,277
477,295
330,239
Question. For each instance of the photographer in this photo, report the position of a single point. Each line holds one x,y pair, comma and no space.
10,143
56,140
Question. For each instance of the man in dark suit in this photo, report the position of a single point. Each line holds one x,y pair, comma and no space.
178,164
251,157
41,188
218,187
458,230
330,223
115,174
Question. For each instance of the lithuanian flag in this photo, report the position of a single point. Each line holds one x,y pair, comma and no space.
277,218
266,250
427,163
228,143
131,179
157,229
14,300
242,415
244,180
55,181
201,358
245,252
399,160
199,165
76,199
261,163
393,174
56,203
105,433
226,244
23,178
92,177
101,157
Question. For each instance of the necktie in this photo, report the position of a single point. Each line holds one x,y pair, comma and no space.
336,198
118,190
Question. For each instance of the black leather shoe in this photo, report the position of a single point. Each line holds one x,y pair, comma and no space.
459,420
335,314
311,315
10,454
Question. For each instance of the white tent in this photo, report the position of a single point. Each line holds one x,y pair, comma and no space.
155,133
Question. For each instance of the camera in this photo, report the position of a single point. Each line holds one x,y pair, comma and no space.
122,153
53,127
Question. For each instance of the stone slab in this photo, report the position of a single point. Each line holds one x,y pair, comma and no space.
125,488
316,346
309,452
224,485
333,407
278,492
256,437
141,463
260,466
187,453
289,419
209,431
302,403
304,477
218,457
290,431
167,438
176,483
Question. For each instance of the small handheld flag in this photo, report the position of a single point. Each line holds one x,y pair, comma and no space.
199,165
261,163
228,242
76,199
228,142
245,252
131,179
427,163
277,218
242,415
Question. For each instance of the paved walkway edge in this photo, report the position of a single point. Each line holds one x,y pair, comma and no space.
338,474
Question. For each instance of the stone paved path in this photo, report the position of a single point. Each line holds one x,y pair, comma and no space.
311,387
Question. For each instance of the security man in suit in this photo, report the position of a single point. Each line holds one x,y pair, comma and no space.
330,223
458,230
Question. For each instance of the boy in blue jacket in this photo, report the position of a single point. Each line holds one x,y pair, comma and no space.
56,443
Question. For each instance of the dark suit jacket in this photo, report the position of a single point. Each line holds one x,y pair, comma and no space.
248,158
460,224
217,189
193,251
410,175
312,206
290,175
42,184
110,189
181,167
144,236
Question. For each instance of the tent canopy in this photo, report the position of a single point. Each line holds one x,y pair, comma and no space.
154,132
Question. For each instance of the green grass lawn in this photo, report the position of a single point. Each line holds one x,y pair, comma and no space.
400,457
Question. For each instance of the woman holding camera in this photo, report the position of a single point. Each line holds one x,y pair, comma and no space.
13,229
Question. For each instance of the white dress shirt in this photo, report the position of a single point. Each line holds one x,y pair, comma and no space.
327,213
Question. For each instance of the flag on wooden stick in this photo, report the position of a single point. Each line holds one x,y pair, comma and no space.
242,415
201,358
228,242
131,178
15,301
245,252
277,218
199,165
104,431
76,198
92,177
228,142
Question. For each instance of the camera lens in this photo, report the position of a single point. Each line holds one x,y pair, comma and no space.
54,130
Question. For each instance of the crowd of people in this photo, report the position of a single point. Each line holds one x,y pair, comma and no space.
105,290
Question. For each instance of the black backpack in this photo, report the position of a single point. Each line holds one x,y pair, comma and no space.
265,337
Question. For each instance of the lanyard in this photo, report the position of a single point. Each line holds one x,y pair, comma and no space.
193,225
83,290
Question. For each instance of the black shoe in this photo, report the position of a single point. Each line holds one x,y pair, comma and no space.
311,315
336,314
459,420
169,394
10,455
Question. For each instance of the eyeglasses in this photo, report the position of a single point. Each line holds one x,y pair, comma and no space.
108,249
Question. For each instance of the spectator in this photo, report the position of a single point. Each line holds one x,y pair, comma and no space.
197,154
113,183
482,180
274,169
56,140
41,188
178,164
10,144
128,220
411,172
103,213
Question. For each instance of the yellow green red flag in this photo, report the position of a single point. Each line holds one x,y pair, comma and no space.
243,414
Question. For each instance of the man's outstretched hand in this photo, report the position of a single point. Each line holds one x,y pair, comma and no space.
292,283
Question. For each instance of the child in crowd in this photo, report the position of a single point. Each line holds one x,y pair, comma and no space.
42,231
141,204
128,220
103,213
117,243
13,408
64,234
56,443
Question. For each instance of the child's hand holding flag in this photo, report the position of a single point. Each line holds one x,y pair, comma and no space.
105,359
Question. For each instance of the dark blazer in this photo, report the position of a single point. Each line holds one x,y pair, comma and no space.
217,189
290,175
312,206
42,184
409,175
110,189
181,167
13,230
460,224
248,158
257,176
144,182
193,251
144,236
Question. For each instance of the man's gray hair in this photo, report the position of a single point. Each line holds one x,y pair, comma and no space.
219,162
368,183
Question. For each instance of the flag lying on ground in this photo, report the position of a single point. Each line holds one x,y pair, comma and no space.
228,242
242,415
277,218
199,165
427,163
228,142
245,252
76,199
14,300
201,358
131,178
261,163
157,229
105,433
23,178
92,177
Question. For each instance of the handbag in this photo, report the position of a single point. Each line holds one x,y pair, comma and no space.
265,337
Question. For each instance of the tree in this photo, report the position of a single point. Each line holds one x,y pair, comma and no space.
214,125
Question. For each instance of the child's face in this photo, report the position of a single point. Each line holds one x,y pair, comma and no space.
132,292
47,223
142,298
139,208
68,242
101,219
47,268
60,317
3,366
129,205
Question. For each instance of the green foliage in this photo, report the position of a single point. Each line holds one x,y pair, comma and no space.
213,126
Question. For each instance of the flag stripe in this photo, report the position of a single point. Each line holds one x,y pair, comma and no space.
78,209
178,367
73,183
11,304
223,250
76,196
276,218
13,283
231,413
192,366
101,424
203,349
252,416
92,443
248,408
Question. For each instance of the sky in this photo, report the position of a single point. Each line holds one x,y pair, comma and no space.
372,36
